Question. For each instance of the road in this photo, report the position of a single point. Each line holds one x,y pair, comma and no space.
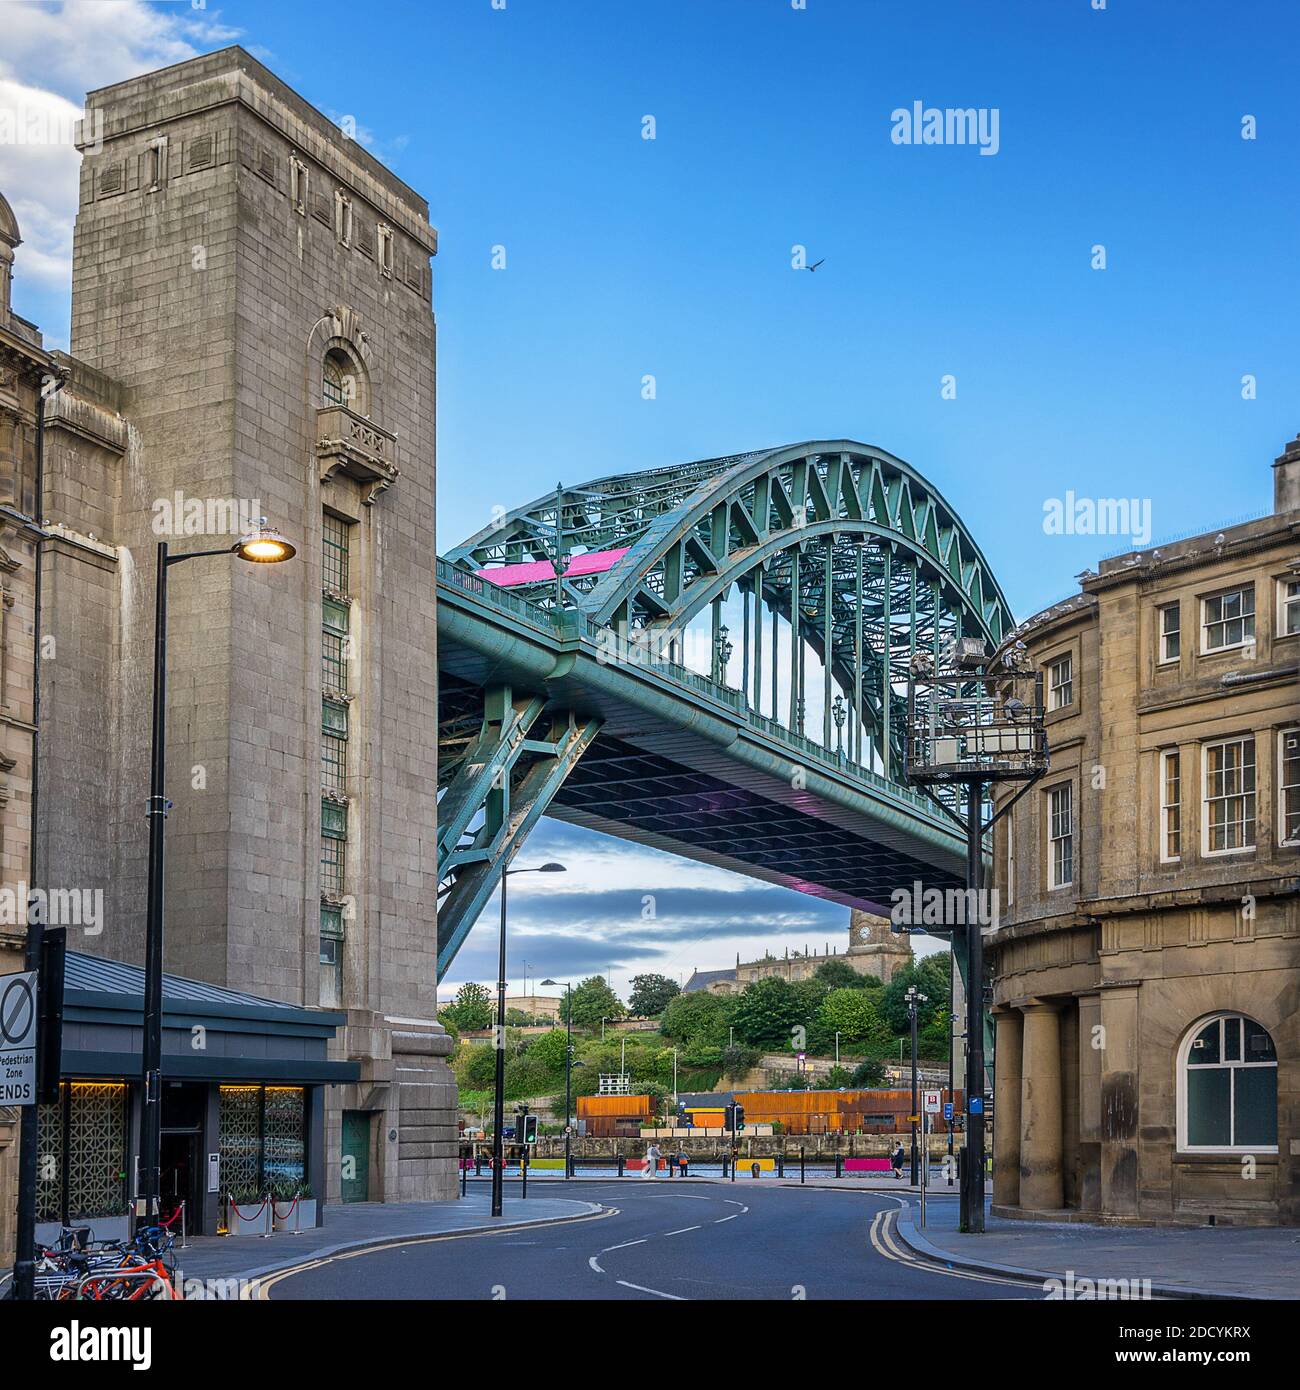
665,1241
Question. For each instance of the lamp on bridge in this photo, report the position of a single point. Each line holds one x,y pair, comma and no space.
839,714
499,1098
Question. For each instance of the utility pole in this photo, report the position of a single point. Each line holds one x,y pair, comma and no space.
914,999
967,725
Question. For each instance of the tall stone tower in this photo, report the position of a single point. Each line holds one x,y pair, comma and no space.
257,288
874,949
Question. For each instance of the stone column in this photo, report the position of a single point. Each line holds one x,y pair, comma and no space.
1006,1107
1040,1109
1090,1050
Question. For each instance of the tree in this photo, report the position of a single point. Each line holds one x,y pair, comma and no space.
651,994
550,1050
767,1012
476,1066
590,1001
700,1018
935,1039
930,976
853,1014
839,1077
472,1008
868,1073
839,974
738,1062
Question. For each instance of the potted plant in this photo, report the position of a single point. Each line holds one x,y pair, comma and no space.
248,1213
293,1207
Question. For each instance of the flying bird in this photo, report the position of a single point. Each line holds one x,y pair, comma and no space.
816,264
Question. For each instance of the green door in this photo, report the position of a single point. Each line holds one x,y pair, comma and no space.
355,1160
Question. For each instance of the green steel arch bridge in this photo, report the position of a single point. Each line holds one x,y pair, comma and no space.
710,659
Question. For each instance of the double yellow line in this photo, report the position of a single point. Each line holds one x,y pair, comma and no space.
886,1241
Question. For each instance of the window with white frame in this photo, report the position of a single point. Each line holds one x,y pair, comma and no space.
1171,807
1060,682
1170,633
1228,619
1288,607
1060,836
1227,1087
1288,786
1228,817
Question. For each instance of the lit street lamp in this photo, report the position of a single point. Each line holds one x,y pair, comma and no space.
568,1065
262,546
499,1096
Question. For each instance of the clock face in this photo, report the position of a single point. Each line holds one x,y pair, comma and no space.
864,933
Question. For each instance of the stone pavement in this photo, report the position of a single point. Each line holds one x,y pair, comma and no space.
363,1223
1180,1261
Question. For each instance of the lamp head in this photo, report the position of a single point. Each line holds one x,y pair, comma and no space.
264,545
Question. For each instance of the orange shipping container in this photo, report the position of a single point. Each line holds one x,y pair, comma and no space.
613,1105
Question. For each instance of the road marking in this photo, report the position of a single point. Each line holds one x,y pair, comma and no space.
260,1288
681,1232
625,1244
721,1219
658,1293
886,1242
595,1264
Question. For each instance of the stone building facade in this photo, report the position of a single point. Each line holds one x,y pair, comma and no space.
1147,963
873,949
252,335
26,370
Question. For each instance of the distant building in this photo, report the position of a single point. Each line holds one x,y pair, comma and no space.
874,949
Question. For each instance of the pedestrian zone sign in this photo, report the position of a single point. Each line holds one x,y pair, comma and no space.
18,1038
933,1102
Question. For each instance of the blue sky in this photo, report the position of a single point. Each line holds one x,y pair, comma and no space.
672,257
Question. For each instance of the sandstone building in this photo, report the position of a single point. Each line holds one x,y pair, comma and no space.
874,949
1147,965
252,335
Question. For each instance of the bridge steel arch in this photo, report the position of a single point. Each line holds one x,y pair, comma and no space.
841,541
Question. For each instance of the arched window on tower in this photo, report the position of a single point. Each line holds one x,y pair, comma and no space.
334,381
1227,1087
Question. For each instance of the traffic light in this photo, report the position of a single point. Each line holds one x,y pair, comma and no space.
528,1129
735,1117
740,1118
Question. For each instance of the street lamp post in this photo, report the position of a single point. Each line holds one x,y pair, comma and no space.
568,1068
499,1093
914,999
261,546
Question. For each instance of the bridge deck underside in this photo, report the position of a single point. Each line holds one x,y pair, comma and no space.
636,795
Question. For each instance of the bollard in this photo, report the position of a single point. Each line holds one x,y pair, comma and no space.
780,1164
620,1165
801,1164
839,1165
464,1176
478,1164
753,1170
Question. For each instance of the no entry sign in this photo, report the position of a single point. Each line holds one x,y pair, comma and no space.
18,1038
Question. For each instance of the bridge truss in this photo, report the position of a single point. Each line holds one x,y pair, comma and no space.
794,586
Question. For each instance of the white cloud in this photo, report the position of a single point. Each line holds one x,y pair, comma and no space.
51,56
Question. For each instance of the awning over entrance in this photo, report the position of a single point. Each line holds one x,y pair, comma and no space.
210,1033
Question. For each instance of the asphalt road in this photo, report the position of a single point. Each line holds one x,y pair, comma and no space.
665,1241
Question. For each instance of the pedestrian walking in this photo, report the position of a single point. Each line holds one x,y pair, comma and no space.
652,1156
896,1160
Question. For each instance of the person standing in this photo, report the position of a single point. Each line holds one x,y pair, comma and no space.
652,1156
